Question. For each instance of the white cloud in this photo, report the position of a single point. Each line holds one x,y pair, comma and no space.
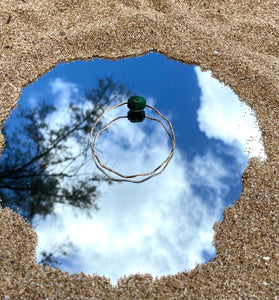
62,93
63,90
159,227
222,116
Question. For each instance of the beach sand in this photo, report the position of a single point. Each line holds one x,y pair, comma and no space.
239,42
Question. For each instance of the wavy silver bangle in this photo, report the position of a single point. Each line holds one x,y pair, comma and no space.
127,178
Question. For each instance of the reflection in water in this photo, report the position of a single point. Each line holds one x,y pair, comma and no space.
161,226
39,162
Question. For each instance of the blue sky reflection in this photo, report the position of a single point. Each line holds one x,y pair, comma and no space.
164,225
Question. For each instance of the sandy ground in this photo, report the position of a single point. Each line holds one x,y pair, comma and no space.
239,42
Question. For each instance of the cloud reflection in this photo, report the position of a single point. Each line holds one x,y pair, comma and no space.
222,116
161,226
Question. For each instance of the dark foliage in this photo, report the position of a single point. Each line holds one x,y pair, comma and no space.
39,168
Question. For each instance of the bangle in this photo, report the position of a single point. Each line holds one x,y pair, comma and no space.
136,114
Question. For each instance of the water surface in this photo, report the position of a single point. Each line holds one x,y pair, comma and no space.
161,226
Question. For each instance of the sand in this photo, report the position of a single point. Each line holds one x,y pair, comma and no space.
239,42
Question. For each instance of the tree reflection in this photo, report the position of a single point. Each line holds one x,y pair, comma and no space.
39,167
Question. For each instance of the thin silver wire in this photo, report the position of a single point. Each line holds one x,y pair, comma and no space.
158,170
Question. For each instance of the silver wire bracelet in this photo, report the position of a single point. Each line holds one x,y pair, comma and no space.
127,178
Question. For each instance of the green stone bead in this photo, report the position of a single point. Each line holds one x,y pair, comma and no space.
136,103
136,116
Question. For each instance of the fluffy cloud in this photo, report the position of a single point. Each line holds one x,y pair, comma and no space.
222,116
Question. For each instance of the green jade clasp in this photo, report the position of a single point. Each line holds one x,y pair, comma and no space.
136,105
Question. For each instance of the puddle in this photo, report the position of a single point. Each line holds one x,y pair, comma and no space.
161,226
